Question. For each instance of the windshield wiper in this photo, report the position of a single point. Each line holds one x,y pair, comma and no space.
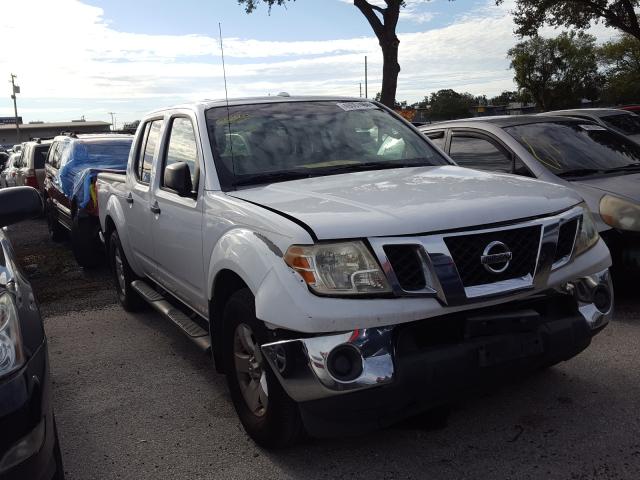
356,167
270,177
580,172
626,168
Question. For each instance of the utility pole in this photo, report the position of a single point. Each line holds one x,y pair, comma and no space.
15,89
360,89
113,122
366,80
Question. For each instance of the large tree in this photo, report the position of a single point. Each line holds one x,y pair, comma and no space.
530,15
620,61
383,21
448,104
557,72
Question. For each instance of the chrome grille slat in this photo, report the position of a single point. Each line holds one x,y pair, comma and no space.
442,259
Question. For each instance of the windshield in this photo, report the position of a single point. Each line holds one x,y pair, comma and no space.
565,147
281,141
628,124
102,153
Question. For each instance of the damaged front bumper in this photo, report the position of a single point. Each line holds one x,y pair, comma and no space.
544,329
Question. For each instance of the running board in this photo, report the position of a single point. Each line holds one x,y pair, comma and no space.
191,329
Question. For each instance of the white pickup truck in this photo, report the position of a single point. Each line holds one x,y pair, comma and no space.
345,273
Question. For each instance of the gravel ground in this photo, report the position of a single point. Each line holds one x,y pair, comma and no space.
135,400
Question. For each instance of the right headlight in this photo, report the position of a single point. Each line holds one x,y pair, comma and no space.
620,213
338,269
11,354
588,235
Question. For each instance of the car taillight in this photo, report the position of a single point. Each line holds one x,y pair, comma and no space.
31,180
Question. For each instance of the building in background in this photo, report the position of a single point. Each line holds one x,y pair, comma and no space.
33,130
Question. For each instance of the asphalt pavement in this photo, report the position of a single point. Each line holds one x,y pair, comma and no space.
134,399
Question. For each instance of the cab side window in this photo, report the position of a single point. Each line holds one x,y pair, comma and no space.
480,153
147,151
437,138
181,147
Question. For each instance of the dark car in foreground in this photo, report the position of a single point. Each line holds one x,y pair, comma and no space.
29,447
600,164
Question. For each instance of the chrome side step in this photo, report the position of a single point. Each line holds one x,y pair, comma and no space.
191,329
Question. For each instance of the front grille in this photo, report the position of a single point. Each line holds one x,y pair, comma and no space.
467,251
407,265
566,238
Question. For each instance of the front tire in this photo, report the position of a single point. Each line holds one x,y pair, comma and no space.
268,414
123,276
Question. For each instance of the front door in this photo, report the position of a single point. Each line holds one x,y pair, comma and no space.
177,220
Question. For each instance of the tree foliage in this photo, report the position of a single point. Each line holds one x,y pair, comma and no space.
620,62
448,104
557,72
531,15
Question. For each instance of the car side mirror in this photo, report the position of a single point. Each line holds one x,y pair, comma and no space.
177,177
19,203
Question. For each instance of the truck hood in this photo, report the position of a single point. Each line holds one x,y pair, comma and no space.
621,185
408,200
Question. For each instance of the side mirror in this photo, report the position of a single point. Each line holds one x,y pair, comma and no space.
19,203
177,177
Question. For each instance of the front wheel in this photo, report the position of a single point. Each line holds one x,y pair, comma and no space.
123,276
268,414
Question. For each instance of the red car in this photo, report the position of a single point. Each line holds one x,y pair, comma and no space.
631,108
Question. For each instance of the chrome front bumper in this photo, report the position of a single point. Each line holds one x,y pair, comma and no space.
304,369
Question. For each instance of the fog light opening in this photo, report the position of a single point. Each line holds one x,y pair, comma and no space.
602,299
345,363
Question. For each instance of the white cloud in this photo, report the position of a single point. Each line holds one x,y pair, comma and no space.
79,61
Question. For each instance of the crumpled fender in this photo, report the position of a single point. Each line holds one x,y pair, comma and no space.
247,253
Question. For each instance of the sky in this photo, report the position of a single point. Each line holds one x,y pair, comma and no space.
86,58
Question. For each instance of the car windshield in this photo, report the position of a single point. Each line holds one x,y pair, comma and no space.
103,153
263,143
627,123
571,147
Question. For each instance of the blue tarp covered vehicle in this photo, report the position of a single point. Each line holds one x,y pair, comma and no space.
84,158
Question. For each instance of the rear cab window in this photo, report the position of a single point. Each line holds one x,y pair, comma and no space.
147,150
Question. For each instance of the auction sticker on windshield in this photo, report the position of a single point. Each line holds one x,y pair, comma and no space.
591,128
349,106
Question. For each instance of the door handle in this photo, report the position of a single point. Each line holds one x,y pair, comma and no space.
129,199
155,208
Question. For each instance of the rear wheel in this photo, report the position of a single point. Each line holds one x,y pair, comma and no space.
268,414
57,233
123,276
85,242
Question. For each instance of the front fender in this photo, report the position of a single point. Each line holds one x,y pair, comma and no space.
246,253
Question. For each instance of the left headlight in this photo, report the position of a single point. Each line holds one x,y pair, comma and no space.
11,355
345,268
619,213
588,235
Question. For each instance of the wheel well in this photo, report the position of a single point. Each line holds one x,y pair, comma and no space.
109,226
225,284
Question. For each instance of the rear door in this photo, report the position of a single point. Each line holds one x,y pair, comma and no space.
138,198
177,220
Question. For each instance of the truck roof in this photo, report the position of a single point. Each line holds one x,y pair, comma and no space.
280,98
